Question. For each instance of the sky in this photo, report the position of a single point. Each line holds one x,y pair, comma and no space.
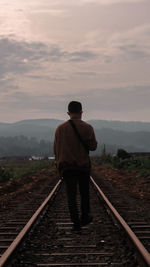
93,51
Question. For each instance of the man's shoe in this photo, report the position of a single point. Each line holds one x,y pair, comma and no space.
87,220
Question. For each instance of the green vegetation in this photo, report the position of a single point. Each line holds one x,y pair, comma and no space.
5,175
124,160
123,154
14,169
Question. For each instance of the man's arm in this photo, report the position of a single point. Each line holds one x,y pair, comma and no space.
92,143
55,149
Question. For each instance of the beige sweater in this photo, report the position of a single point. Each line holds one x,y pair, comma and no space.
69,151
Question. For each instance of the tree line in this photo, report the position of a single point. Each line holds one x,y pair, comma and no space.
28,146
24,146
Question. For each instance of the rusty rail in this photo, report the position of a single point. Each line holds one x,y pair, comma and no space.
7,254
145,256
139,246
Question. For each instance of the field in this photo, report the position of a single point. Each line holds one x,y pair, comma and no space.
139,164
11,169
131,174
20,179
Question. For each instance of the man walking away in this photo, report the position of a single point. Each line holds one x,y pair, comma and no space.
73,141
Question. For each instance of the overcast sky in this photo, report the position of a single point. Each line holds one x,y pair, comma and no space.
93,51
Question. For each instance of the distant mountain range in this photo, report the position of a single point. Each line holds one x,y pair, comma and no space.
127,126
40,128
132,136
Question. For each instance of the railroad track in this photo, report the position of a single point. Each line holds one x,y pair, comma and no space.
47,239
132,210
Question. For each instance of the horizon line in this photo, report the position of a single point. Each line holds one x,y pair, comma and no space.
112,120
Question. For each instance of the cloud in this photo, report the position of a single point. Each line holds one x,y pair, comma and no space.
81,56
123,99
111,2
53,12
16,16
7,85
21,57
46,77
99,2
18,57
127,103
51,47
86,73
13,18
133,52
30,102
24,63
132,44
125,45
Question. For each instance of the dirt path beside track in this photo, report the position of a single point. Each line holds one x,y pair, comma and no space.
127,181
20,190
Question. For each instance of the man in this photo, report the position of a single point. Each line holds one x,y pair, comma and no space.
71,146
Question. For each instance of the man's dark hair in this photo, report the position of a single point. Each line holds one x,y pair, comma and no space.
74,107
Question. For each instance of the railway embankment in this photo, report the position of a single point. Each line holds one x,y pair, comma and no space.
16,191
127,181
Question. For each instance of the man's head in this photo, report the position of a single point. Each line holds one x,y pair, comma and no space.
75,109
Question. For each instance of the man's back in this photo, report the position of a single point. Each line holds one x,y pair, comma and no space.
69,151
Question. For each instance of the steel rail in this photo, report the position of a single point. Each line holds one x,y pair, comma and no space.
139,246
7,254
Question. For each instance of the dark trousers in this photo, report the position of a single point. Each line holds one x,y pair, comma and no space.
72,180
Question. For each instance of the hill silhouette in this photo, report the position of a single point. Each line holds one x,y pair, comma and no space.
132,136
